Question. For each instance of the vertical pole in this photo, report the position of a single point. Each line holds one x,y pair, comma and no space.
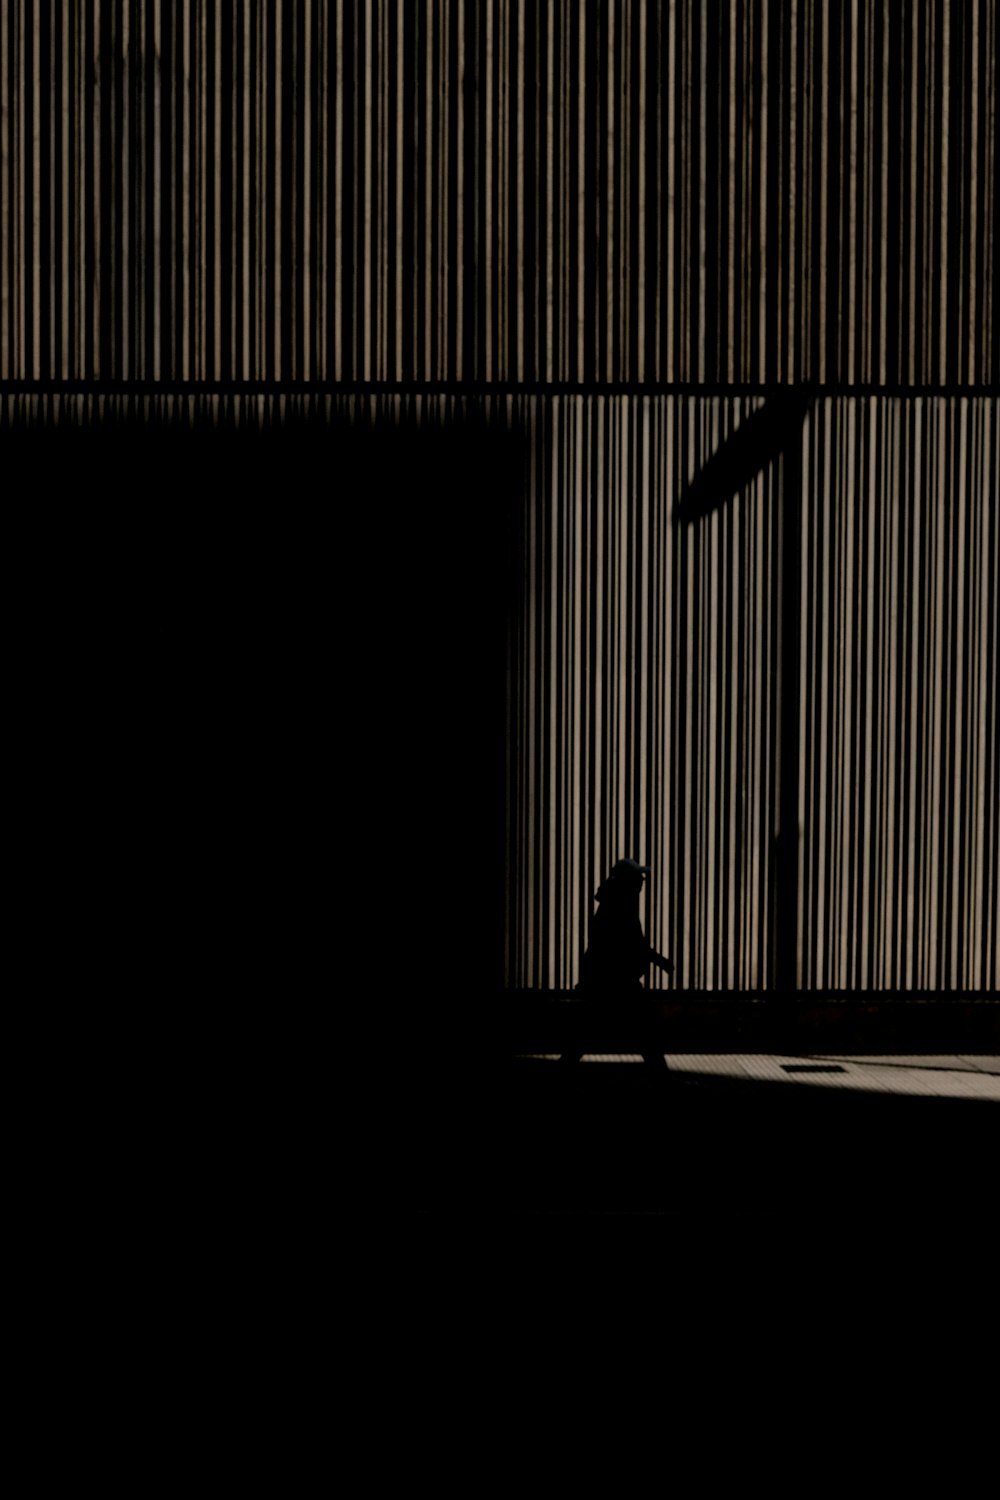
784,914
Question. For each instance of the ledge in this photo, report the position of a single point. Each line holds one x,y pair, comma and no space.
540,1021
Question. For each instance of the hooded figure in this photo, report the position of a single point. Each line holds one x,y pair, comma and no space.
618,956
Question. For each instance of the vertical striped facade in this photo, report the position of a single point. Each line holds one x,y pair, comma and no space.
644,659
643,191
644,652
613,231
645,675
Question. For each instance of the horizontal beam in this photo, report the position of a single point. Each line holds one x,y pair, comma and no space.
550,1024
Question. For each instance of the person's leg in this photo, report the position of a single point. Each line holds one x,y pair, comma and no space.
652,1052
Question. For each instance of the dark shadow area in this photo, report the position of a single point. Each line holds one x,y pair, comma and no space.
606,1139
279,633
926,1022
770,431
264,674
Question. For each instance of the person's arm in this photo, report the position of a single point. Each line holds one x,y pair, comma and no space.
650,957
660,962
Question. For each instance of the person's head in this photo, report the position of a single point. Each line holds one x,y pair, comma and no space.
624,882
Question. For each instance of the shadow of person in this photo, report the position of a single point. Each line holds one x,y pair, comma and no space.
618,960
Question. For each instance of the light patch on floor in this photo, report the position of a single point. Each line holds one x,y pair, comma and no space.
614,1057
939,1076
949,1077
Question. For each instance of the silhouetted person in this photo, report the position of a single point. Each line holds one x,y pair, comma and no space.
619,957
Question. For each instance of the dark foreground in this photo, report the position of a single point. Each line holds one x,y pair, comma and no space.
533,1137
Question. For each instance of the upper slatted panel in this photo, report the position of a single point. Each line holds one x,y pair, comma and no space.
643,191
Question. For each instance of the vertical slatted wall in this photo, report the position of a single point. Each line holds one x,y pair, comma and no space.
644,675
898,786
646,658
426,190
610,206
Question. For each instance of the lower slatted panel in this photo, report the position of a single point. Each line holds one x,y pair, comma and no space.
646,693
